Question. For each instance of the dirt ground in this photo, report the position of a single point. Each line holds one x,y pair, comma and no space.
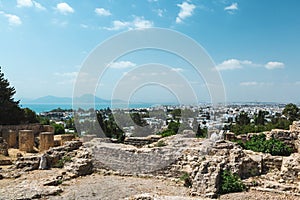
101,187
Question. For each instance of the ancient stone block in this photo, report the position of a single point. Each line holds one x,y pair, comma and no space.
26,140
3,147
46,141
10,137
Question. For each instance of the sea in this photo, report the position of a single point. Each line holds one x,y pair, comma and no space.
40,108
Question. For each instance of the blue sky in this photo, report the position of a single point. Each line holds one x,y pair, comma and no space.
255,44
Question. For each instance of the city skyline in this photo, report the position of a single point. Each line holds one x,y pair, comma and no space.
253,44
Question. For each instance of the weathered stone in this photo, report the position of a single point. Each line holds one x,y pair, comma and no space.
271,163
141,141
66,137
28,163
43,162
26,140
290,169
80,166
46,141
87,138
3,147
10,137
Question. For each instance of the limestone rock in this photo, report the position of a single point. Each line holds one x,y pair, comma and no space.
80,166
290,170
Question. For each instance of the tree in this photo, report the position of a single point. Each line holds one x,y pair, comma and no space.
260,118
243,119
10,112
201,132
291,111
29,116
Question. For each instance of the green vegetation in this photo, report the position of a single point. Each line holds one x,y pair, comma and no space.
160,144
10,112
259,143
201,132
243,125
292,112
173,128
62,161
231,183
187,180
58,129
109,126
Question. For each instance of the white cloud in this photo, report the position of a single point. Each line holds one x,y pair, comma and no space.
64,8
141,23
274,65
122,65
102,12
160,12
250,83
186,10
233,6
118,25
24,3
38,6
232,64
13,20
137,23
29,3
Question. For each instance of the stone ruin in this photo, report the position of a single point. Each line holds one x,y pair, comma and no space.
30,138
203,160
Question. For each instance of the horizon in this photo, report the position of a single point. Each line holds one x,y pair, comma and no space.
254,48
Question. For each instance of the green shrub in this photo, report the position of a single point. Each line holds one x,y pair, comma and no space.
186,178
58,129
273,146
62,161
231,183
167,133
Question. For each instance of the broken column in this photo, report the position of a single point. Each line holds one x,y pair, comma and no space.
10,137
46,141
26,140
3,147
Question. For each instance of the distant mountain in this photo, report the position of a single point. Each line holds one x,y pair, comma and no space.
84,99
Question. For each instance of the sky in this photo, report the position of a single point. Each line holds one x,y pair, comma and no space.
254,44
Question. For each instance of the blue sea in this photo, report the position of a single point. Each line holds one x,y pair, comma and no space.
39,108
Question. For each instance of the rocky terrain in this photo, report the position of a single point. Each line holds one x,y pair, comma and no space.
176,167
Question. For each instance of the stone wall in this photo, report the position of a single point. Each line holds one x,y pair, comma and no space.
36,128
142,141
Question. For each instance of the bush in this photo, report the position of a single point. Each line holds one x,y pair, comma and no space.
231,183
273,146
167,133
58,129
62,161
186,178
